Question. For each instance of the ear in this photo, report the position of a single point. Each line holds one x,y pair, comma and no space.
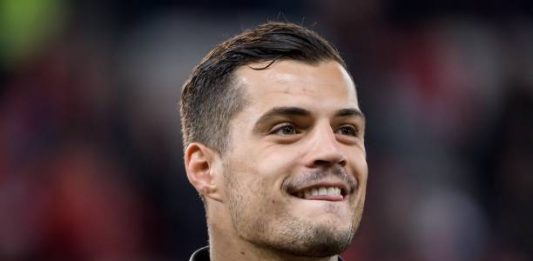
201,166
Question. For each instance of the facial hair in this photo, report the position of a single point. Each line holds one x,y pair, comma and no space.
274,228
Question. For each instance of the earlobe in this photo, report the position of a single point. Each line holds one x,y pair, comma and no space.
201,172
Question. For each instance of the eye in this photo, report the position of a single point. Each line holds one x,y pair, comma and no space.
348,130
284,130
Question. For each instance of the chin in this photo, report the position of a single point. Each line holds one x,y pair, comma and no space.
323,241
314,239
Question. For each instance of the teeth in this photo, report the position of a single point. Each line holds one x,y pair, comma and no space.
320,191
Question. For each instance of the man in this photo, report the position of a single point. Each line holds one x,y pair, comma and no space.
274,144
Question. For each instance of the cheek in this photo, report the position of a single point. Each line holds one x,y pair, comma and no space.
362,169
278,160
256,178
252,203
359,164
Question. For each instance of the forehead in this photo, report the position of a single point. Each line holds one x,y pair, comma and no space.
321,87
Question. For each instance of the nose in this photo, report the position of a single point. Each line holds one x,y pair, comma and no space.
324,149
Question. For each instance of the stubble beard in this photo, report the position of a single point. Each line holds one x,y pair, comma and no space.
304,238
275,230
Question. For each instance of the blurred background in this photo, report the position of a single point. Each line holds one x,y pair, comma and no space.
90,148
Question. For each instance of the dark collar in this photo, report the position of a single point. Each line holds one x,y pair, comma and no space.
202,254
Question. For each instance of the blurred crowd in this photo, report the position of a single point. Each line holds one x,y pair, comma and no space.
90,148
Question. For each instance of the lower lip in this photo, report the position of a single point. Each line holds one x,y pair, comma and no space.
325,198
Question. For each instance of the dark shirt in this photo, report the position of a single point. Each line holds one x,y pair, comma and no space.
202,254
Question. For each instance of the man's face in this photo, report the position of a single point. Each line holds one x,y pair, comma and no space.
295,171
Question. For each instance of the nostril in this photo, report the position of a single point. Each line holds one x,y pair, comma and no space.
342,162
323,163
329,163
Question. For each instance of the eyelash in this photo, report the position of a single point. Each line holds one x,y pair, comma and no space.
353,130
348,130
277,130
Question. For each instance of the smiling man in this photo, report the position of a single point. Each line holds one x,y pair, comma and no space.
274,144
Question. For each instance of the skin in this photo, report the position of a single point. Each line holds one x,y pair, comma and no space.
301,127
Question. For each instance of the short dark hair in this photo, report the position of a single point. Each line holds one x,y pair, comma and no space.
209,98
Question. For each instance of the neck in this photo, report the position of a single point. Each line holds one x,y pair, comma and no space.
226,245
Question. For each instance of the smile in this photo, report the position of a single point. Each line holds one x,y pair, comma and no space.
329,193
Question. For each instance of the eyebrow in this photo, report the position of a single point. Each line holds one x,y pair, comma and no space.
283,111
297,111
350,112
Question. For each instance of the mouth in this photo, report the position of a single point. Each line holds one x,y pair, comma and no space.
322,192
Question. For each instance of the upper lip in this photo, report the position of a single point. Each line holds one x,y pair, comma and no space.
345,188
